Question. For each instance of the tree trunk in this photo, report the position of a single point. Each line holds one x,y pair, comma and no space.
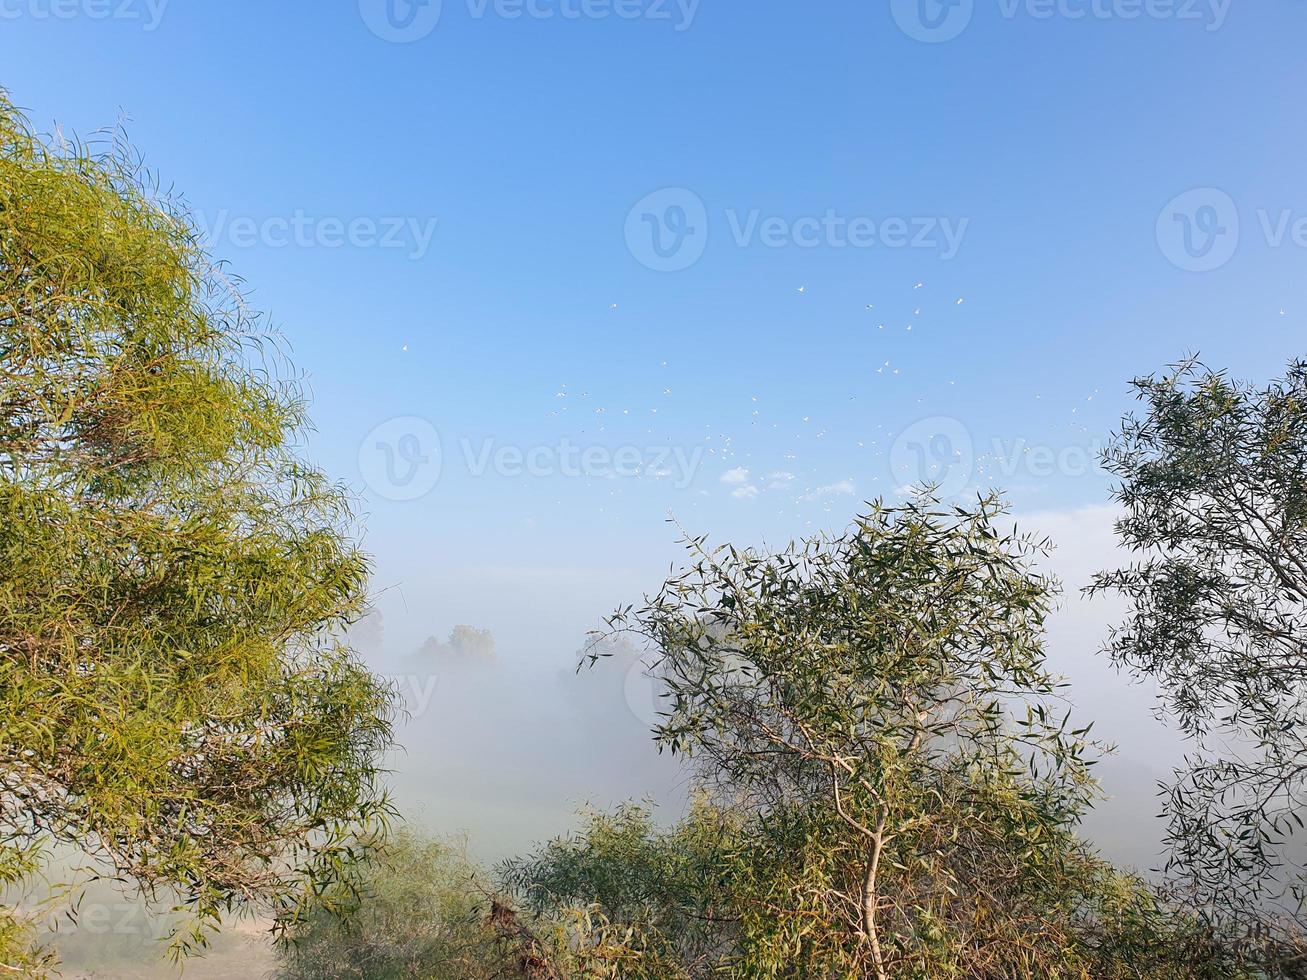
871,901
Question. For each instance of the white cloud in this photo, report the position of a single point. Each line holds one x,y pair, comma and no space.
736,476
746,492
844,488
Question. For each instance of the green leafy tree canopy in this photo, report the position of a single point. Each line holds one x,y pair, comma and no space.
175,699
876,709
1213,479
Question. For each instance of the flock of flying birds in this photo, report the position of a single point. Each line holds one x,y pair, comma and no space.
737,476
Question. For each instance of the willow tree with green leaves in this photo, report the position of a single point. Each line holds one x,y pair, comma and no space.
1213,482
876,710
175,698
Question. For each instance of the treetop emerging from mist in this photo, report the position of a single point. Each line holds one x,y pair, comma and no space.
877,707
173,577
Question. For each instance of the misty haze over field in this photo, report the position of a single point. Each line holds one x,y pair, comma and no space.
506,739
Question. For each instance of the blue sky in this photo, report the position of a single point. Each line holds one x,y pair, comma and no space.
495,292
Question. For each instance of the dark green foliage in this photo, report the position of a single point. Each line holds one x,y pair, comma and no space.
1214,484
